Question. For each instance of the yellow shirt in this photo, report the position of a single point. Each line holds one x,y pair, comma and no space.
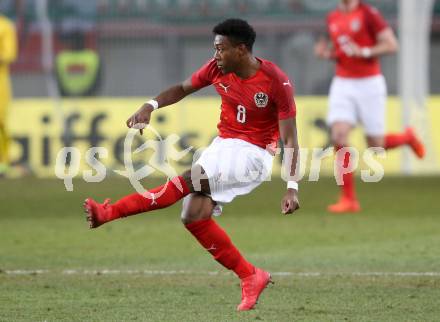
8,53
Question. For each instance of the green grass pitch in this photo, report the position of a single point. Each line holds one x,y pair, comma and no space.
149,268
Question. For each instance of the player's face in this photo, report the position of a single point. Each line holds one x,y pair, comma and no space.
226,54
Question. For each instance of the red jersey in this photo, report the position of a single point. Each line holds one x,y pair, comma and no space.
252,107
360,26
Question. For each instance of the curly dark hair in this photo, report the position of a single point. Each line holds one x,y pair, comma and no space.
238,32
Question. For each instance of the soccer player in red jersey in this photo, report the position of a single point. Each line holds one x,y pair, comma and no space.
359,36
257,109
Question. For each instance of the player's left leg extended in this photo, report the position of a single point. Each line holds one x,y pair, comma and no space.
157,198
198,207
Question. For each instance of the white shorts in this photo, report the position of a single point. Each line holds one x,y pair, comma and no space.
234,167
359,100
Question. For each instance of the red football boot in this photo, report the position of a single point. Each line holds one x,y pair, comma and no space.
251,288
415,144
344,205
97,214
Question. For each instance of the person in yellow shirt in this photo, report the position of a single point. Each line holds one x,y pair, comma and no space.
8,53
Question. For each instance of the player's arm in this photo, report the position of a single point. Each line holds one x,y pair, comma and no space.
168,97
289,137
386,43
8,44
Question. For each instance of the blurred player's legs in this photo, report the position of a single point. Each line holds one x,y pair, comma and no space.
361,100
348,202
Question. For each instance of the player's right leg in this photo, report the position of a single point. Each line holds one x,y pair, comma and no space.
136,203
196,216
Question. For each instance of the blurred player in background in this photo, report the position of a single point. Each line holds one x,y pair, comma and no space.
257,109
359,36
8,53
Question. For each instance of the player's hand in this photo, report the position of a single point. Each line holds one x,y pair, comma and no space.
290,202
352,49
356,50
321,48
141,118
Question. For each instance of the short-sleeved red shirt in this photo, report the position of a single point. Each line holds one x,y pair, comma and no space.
252,107
360,26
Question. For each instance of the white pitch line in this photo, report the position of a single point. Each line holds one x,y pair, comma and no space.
183,272
25,272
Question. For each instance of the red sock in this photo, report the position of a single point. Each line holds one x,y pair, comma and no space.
156,198
215,240
395,140
347,189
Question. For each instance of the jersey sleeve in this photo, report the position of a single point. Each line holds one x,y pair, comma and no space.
205,76
282,93
376,21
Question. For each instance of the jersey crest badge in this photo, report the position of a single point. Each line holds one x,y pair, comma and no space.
261,99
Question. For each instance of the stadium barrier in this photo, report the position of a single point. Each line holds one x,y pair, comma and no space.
38,133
